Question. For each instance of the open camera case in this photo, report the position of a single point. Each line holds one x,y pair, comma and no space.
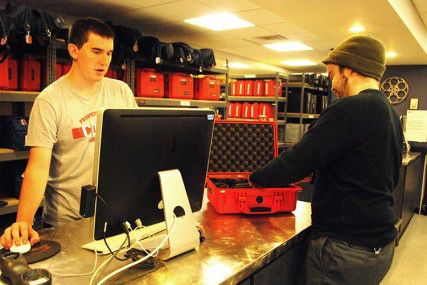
239,148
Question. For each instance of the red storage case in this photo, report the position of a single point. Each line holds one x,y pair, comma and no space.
259,88
29,75
9,74
254,110
270,87
207,88
179,86
246,110
266,110
237,88
237,149
150,83
235,110
248,89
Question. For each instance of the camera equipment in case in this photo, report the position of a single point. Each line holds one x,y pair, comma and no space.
239,148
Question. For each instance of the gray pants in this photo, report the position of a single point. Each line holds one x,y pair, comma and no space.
331,261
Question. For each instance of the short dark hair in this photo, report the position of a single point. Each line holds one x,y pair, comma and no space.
79,32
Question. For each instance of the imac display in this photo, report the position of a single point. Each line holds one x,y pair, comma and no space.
131,146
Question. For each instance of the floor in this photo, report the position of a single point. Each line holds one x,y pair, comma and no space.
410,257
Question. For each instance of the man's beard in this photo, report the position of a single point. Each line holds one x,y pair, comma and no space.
340,91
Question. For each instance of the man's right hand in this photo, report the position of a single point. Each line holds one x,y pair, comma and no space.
19,231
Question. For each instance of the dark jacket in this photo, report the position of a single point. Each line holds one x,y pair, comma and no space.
355,147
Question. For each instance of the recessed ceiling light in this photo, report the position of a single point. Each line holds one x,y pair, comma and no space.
288,46
356,29
391,54
299,62
220,22
238,65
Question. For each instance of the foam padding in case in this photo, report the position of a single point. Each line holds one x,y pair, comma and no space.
242,146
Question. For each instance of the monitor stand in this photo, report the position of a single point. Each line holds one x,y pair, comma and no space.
183,236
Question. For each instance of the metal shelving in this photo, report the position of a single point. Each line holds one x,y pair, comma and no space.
7,154
17,96
11,207
165,102
256,99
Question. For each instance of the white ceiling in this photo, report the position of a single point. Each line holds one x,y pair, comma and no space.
321,24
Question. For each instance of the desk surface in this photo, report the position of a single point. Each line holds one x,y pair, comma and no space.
236,246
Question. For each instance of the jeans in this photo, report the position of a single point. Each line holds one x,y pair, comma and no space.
331,261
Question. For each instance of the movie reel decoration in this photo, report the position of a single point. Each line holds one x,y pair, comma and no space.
396,89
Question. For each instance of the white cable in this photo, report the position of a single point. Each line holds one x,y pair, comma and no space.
76,274
142,259
104,265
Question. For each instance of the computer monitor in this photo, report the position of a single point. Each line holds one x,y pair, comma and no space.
132,146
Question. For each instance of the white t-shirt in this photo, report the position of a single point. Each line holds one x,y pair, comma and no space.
65,122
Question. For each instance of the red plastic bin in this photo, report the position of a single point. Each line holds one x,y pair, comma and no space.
179,86
150,83
29,75
207,88
9,74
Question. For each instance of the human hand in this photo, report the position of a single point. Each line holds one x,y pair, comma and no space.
18,233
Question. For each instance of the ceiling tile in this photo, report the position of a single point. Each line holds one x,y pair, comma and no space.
230,6
261,17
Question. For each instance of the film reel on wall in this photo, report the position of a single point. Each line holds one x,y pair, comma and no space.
396,89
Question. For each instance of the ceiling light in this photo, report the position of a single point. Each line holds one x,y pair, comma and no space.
220,22
288,46
299,62
238,65
356,29
391,54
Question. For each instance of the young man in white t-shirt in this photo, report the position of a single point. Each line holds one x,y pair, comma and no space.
62,130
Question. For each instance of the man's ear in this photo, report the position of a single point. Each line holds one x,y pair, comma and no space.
73,50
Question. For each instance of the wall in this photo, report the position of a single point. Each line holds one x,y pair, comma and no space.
416,77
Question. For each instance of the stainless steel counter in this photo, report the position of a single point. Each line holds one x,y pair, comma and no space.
236,246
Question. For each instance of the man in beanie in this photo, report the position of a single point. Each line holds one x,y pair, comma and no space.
355,148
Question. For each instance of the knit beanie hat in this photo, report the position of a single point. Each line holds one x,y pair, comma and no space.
364,54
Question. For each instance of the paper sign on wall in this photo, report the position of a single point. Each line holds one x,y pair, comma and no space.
416,126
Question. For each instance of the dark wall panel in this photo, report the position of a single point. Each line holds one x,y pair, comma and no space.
416,77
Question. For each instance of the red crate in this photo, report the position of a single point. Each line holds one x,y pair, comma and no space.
179,86
29,75
235,110
207,88
150,83
237,149
9,74
259,88
270,88
246,110
248,89
254,110
266,110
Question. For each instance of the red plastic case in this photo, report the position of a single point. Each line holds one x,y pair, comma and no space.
248,89
270,87
238,148
266,110
259,88
29,79
179,86
9,74
207,88
235,110
150,83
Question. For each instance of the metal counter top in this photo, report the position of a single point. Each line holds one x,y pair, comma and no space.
409,157
236,246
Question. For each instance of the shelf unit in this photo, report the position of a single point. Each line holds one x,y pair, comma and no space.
167,66
19,100
278,101
301,117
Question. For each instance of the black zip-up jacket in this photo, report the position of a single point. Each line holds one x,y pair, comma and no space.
355,147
